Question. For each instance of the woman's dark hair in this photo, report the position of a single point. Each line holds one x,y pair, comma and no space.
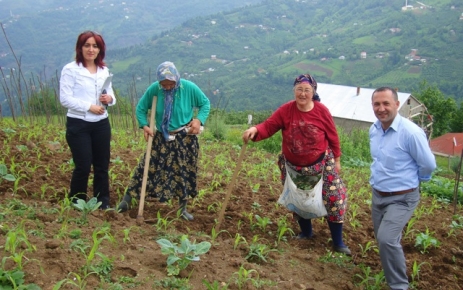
82,38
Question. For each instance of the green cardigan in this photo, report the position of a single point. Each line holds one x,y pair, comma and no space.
187,97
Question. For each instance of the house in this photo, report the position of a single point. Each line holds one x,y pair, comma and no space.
450,144
351,107
363,54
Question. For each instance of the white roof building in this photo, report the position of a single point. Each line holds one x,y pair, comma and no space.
351,106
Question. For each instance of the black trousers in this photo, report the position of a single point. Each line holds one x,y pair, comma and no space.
90,145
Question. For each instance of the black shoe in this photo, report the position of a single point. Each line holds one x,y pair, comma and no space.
184,214
125,204
303,236
343,250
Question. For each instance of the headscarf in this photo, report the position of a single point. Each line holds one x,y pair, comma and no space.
167,71
307,78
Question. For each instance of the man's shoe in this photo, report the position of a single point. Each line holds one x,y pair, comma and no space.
343,250
125,203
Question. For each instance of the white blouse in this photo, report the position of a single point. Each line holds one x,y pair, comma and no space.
79,89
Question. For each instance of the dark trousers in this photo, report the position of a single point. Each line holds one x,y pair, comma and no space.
90,145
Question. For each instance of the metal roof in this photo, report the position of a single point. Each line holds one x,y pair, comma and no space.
343,101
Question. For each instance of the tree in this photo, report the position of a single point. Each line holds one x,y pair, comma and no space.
442,109
456,126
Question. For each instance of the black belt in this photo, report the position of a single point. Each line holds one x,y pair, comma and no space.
383,193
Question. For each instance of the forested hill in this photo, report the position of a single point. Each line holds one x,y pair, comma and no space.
43,32
249,57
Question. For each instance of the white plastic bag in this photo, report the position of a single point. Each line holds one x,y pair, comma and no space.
307,203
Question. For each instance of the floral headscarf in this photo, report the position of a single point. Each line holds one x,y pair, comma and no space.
307,78
167,71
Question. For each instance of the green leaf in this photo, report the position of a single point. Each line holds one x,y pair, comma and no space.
9,177
164,243
172,259
202,248
3,169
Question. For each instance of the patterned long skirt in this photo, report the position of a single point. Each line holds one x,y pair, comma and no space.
172,168
334,191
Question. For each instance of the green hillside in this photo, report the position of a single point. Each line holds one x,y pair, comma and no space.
258,50
247,57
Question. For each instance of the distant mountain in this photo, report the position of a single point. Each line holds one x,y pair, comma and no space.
249,57
43,32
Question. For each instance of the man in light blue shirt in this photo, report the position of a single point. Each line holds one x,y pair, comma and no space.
401,160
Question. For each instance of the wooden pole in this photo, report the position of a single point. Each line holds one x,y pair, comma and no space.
152,125
457,182
232,182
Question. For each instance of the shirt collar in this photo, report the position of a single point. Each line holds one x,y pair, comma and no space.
394,126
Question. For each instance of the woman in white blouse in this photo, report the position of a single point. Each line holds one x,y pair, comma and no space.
86,91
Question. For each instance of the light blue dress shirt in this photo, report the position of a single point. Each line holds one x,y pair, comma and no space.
401,156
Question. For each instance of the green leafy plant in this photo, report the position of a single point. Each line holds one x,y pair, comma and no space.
415,275
180,256
368,247
14,279
216,285
368,280
341,260
283,227
4,174
425,240
262,222
87,207
243,276
173,283
258,252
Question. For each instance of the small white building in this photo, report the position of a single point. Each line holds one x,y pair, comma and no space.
351,106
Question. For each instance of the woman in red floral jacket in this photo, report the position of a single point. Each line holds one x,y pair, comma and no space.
310,147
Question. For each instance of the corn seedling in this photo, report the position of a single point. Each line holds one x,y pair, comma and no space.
243,276
409,228
283,228
162,224
415,275
215,234
261,222
367,248
238,241
368,280
126,232
258,252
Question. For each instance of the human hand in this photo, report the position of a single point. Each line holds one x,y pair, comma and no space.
337,165
97,110
147,132
106,99
249,134
194,127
